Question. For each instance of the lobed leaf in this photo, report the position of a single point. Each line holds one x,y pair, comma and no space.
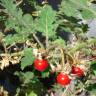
28,58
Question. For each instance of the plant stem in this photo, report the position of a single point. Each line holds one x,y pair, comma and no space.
71,57
47,43
63,58
34,36
10,46
19,3
64,93
5,49
13,54
38,41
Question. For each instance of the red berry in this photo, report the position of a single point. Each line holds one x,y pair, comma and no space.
78,71
63,79
41,65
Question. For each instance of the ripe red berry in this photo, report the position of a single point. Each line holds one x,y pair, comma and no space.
63,79
78,71
41,65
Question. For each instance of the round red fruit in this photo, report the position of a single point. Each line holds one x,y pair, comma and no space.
41,65
78,71
63,79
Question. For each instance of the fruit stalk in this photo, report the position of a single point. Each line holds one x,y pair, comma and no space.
63,58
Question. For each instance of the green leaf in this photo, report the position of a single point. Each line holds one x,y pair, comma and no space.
28,76
9,5
92,41
46,21
36,87
93,66
73,7
94,71
67,7
60,42
45,74
28,58
78,46
93,62
70,7
16,38
22,24
28,19
32,94
92,89
8,40
88,14
10,23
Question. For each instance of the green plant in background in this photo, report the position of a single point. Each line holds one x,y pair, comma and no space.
19,38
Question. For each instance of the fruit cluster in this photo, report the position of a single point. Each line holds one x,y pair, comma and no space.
41,64
64,79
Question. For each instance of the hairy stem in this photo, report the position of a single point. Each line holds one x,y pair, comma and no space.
47,43
5,49
38,41
63,58
73,60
